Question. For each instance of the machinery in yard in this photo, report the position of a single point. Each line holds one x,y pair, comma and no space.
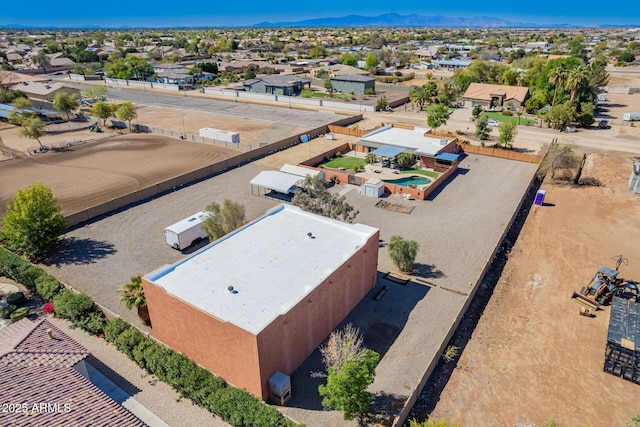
604,286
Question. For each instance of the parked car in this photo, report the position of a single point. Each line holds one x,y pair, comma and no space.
603,124
493,122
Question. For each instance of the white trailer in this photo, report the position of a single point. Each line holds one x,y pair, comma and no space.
220,135
631,117
184,233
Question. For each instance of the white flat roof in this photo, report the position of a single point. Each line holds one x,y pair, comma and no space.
271,263
278,181
299,170
411,139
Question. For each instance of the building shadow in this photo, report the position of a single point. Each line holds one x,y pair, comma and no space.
380,316
113,376
384,409
81,251
442,186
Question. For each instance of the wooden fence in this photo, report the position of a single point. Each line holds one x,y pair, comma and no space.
502,153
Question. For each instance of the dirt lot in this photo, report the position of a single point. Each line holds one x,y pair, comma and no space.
532,357
87,175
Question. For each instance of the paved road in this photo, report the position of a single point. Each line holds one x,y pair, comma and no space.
310,119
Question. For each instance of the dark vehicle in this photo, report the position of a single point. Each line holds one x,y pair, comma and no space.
603,124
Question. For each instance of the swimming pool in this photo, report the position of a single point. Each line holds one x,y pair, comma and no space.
411,180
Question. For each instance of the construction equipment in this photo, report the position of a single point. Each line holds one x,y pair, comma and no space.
600,289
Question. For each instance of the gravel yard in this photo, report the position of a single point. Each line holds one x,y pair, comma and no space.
457,230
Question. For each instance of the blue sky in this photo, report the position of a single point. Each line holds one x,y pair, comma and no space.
118,13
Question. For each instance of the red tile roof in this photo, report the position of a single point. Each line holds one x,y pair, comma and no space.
41,386
484,91
27,343
57,397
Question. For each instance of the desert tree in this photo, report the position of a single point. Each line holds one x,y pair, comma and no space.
65,102
315,198
350,370
41,60
223,219
403,253
33,222
20,110
508,132
127,112
438,116
482,128
103,111
33,128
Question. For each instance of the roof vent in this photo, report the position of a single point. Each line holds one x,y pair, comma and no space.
310,235
230,289
50,333
444,141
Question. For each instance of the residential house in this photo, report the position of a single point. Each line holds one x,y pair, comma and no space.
44,91
48,375
488,95
352,83
288,85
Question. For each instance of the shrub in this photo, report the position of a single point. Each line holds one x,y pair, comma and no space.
15,298
128,340
94,323
5,313
19,313
47,287
507,113
81,310
72,306
114,328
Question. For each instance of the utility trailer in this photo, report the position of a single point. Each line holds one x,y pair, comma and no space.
186,232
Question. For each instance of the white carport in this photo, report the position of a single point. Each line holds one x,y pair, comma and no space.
301,171
276,181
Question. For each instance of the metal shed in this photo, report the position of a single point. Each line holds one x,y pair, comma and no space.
372,188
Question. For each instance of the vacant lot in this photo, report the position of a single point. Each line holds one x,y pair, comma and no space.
88,175
532,356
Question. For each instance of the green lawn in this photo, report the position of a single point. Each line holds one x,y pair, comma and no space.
429,107
502,118
430,174
346,162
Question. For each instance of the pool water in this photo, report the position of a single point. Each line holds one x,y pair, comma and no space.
416,180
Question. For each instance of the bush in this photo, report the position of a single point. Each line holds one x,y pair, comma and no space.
5,313
507,113
237,407
81,310
114,328
15,298
19,313
128,340
47,287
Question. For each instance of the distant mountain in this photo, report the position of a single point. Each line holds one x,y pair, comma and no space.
395,20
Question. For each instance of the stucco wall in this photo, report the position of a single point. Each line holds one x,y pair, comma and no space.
246,360
220,347
292,337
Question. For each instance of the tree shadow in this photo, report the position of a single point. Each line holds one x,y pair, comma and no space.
427,271
76,251
384,409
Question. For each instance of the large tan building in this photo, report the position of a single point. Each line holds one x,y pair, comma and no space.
262,298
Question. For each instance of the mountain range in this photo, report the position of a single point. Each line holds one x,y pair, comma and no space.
413,20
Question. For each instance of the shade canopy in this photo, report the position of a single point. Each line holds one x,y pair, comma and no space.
388,151
448,157
277,181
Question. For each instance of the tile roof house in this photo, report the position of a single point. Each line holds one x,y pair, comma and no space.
488,95
43,371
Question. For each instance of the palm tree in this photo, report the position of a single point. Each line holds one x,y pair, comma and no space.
576,79
132,295
556,78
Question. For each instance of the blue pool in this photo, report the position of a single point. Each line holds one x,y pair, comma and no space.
415,180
